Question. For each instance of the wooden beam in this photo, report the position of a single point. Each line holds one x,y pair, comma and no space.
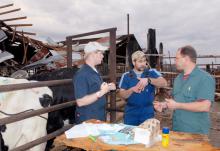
2,24
4,6
26,33
19,25
10,11
12,19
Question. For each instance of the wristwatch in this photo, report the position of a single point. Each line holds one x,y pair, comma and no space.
149,80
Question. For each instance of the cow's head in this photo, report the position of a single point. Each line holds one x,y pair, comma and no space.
46,100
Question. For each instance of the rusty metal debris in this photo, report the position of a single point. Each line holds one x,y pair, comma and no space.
21,49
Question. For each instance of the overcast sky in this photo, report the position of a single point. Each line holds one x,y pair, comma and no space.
177,22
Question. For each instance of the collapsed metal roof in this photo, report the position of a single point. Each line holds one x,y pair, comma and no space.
16,47
19,51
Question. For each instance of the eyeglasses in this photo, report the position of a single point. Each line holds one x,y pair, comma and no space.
177,58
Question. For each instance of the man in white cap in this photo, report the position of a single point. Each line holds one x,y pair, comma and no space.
138,87
89,87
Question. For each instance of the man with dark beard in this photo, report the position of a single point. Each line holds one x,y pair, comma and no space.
137,86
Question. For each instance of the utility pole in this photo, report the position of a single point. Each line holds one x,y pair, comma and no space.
128,40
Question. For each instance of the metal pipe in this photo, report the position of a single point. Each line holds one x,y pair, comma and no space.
170,62
161,57
128,24
112,72
42,139
200,56
128,40
202,64
170,88
22,116
12,87
69,51
92,33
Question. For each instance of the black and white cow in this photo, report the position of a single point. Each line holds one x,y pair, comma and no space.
3,147
14,102
61,94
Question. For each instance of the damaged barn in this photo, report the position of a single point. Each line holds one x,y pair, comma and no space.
18,51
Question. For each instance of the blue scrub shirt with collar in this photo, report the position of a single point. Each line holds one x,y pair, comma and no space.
139,105
88,81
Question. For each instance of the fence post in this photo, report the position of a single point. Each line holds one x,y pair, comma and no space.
112,72
69,51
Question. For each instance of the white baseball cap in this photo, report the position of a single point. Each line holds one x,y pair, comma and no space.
94,46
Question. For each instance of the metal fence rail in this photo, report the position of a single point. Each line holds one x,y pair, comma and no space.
42,139
13,87
25,115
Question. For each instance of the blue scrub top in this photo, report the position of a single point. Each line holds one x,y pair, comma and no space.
139,106
88,81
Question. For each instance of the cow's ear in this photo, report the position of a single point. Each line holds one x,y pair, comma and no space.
46,100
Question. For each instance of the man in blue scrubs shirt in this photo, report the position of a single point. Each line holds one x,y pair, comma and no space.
89,87
137,86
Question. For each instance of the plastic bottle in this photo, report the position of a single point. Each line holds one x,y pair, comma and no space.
165,136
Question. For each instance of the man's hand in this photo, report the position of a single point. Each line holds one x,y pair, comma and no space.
136,88
111,86
159,106
104,88
143,82
171,104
